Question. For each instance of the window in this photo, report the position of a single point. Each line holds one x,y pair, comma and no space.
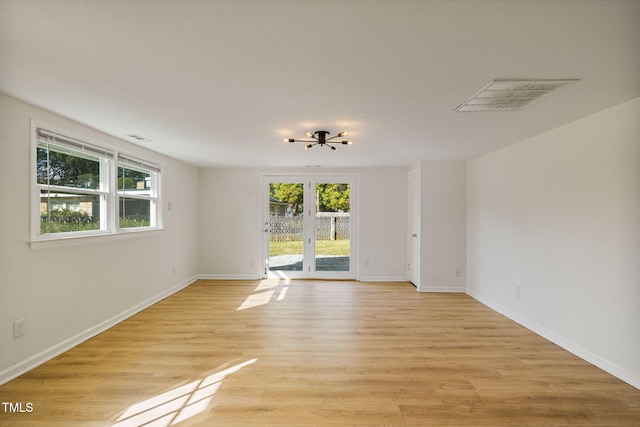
72,180
137,192
84,189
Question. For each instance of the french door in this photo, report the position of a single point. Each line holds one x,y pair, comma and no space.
308,226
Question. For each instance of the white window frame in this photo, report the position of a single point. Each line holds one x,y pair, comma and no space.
110,159
154,170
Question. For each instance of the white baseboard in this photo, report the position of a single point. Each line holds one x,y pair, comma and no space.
382,279
256,277
38,359
229,277
448,289
610,367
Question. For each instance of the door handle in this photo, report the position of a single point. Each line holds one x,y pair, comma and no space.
414,235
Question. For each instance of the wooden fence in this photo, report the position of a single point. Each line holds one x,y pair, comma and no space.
329,226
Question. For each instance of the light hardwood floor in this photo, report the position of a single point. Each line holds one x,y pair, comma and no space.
323,353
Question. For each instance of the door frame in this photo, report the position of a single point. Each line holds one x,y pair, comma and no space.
309,181
413,227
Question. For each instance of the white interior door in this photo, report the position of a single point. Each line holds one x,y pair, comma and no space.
309,226
413,225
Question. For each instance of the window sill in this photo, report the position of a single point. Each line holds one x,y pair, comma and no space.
58,241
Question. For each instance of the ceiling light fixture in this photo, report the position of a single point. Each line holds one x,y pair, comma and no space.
319,137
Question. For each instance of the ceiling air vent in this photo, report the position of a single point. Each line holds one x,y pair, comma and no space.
511,94
139,138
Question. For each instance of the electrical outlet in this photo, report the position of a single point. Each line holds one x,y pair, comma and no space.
517,291
19,328
458,272
366,262
173,270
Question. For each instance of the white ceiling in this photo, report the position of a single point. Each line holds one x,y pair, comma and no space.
218,83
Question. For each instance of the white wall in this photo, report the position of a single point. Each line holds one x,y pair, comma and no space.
558,216
382,223
230,243
69,292
442,226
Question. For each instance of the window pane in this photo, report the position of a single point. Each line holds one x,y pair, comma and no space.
286,226
134,181
63,212
134,213
68,169
333,226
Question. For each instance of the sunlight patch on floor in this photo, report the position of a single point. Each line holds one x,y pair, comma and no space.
279,275
178,404
256,300
277,283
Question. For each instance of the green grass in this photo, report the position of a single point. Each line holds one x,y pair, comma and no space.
133,223
323,247
48,227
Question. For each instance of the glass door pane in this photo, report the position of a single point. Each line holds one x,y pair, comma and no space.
332,226
309,226
285,225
